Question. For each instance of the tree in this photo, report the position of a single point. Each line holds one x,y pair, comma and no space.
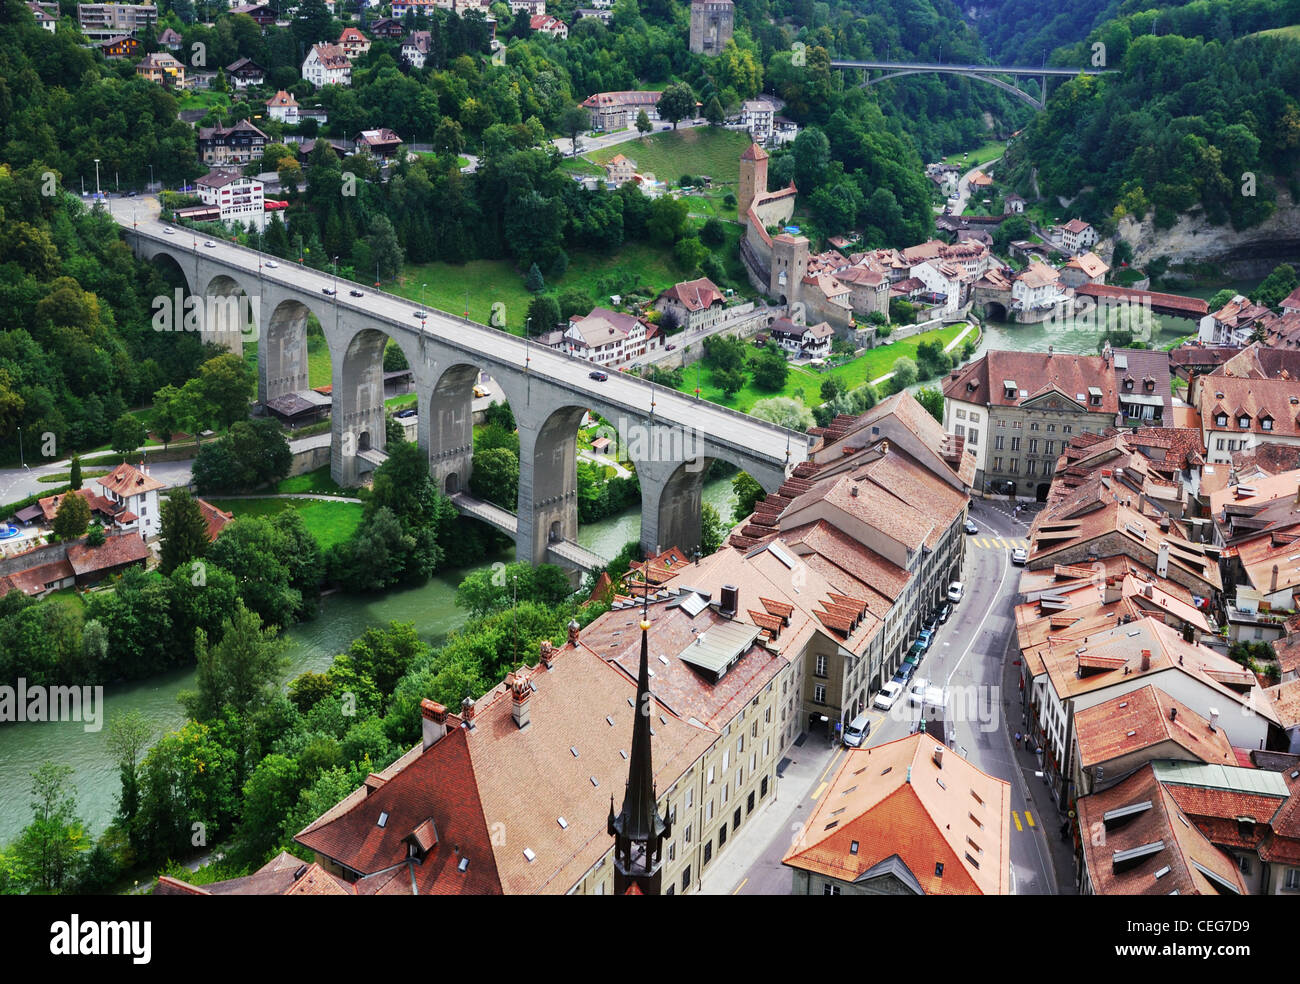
226,382
724,352
269,794
711,530
129,735
931,397
74,475
543,315
748,494
668,219
534,283
730,381
1276,286
240,672
184,531
574,121
385,250
770,369
95,536
905,373
677,103
643,123
713,112
831,388
784,411
50,847
714,233
72,518
496,477
689,253
128,434
1221,298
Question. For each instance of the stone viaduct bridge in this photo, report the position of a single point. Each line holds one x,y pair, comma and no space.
670,437
984,73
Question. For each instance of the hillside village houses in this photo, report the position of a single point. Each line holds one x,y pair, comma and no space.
546,24
1077,235
606,338
802,341
327,64
245,72
240,199
353,42
46,14
619,170
616,110
170,40
697,305
283,108
239,144
1086,268
101,21
415,48
162,68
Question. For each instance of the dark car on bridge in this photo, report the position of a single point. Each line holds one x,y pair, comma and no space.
598,376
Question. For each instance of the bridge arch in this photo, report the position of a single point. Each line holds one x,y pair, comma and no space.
1016,91
282,351
357,398
230,313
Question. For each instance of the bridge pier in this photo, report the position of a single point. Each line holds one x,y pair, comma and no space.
446,428
672,495
548,483
282,351
222,321
358,411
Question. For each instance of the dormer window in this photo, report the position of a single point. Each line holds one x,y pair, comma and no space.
1094,396
1243,422
1009,388
1148,384
1221,420
1128,385
1266,423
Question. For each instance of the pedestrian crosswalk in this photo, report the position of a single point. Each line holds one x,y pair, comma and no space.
999,543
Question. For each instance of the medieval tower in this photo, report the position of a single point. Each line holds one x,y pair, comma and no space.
753,177
712,22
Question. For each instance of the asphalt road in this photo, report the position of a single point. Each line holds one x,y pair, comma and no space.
967,657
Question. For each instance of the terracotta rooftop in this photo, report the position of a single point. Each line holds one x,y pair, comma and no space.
1141,720
1035,374
946,821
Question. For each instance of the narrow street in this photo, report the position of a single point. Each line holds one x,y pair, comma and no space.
973,656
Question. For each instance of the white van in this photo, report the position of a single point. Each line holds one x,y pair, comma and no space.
857,731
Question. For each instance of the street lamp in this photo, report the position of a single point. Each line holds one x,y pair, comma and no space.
21,458
96,179
151,177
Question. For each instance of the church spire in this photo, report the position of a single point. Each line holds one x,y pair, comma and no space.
638,830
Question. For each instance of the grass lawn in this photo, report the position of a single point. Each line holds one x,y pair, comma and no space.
69,598
805,384
328,522
316,482
623,271
1293,32
62,477
580,165
670,154
974,158
203,100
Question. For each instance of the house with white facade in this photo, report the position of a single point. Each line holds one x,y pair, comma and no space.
133,494
696,304
1077,235
546,24
1086,268
802,341
941,278
609,338
354,43
241,199
758,116
1234,323
533,8
283,108
1036,288
327,64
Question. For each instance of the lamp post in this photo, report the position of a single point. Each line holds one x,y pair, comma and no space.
151,177
424,313
21,457
97,179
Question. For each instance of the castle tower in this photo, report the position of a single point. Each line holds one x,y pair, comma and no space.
712,22
789,267
753,177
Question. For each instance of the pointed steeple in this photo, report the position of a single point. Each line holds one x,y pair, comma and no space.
638,830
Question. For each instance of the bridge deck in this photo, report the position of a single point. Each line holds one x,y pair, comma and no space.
983,69
493,515
1175,305
577,555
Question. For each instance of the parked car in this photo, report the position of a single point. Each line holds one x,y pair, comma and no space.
970,527
407,413
904,671
888,694
945,610
917,689
857,731
670,348
356,293
931,622
482,391
597,375
130,194
1019,555
955,591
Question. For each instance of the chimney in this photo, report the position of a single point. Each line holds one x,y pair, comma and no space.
1164,523
520,694
729,602
1146,660
938,756
1162,559
467,712
1214,718
434,721
1149,590
1272,583
1173,714
547,653
1113,590
573,632
854,491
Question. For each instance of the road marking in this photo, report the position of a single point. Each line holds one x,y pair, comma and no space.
834,758
820,789
1029,818
1016,817
740,886
979,628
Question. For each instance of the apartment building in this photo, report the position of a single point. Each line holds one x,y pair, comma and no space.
101,21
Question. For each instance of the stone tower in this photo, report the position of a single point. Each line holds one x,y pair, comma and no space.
789,267
753,178
712,22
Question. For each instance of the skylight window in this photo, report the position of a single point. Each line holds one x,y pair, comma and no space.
595,781
853,847
383,819
574,750
564,824
528,853
609,720
464,863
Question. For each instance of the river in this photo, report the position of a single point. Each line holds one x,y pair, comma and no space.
309,646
